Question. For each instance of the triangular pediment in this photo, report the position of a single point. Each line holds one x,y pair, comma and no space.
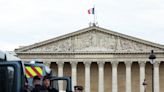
93,39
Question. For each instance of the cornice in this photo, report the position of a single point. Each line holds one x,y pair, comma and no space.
84,53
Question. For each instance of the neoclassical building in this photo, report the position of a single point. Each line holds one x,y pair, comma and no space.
101,60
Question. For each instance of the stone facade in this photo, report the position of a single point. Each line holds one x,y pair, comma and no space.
100,60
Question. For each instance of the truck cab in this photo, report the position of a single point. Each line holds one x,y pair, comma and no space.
14,72
11,75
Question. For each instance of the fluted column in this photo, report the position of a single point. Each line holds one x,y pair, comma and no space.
114,76
128,76
142,75
87,76
74,74
101,76
60,73
156,77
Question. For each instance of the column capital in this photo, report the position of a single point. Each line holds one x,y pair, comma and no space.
142,63
128,63
100,64
156,64
74,64
114,63
87,64
60,63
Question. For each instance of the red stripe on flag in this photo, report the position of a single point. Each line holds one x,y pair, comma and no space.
28,73
89,12
33,68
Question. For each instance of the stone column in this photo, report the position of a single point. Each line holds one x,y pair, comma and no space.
74,74
156,77
114,76
101,76
87,76
142,75
60,73
128,76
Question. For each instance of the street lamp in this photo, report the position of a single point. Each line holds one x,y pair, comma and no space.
152,61
144,84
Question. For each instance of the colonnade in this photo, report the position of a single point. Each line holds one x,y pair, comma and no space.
114,65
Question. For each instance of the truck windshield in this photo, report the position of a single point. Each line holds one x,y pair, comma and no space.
6,78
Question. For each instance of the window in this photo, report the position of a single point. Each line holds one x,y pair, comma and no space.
6,78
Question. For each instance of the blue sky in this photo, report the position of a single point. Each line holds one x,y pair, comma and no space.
24,22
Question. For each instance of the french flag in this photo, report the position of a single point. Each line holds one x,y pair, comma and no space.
91,11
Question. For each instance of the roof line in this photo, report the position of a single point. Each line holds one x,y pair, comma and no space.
85,30
139,52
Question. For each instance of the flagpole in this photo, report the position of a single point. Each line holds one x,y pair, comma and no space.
92,12
94,18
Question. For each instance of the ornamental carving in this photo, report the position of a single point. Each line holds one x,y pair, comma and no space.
93,41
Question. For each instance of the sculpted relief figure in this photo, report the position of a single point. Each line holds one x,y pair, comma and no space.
93,41
82,42
126,45
103,41
118,44
65,45
112,43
